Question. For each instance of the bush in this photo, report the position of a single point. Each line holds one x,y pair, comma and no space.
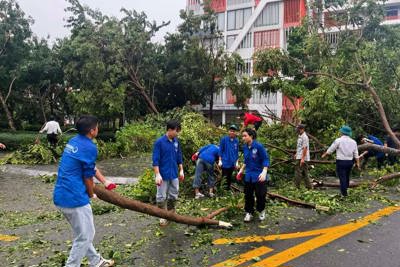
136,137
33,154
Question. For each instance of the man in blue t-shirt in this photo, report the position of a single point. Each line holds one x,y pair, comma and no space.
380,156
167,156
74,189
206,157
229,154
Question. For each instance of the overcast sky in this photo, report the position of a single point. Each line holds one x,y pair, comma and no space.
49,15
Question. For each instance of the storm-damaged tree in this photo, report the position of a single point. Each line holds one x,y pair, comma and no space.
15,34
359,67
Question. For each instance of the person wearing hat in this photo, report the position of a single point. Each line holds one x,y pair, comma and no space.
229,154
346,152
302,157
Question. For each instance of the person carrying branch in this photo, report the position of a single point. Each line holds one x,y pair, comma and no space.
380,156
256,164
249,118
74,190
302,157
167,156
52,128
346,153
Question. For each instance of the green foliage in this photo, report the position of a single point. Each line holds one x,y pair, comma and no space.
144,190
136,137
33,154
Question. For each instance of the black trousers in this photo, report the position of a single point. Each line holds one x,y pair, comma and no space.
257,124
227,172
52,139
343,170
260,190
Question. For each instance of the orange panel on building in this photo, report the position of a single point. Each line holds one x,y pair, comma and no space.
218,5
267,39
294,12
289,106
230,98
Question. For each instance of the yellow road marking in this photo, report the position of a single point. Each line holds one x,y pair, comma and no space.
8,238
245,257
324,236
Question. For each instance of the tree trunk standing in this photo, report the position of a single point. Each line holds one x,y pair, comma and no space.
8,113
382,114
210,112
42,109
136,83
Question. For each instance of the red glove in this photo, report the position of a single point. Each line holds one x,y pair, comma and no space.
111,186
239,176
195,156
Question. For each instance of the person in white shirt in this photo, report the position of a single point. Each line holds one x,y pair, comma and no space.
2,146
346,152
302,158
52,128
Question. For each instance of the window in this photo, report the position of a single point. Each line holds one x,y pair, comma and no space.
247,41
267,39
392,12
238,2
229,40
269,16
244,69
237,18
221,21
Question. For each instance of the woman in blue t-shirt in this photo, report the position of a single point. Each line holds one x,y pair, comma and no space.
256,164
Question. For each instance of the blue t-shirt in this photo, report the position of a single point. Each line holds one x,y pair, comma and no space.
376,142
209,153
78,162
167,154
256,158
229,151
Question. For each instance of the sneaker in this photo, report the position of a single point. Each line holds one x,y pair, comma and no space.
163,222
199,195
261,216
248,217
211,194
105,263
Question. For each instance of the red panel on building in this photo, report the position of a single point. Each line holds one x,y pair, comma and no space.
294,12
230,98
218,5
289,106
257,2
267,39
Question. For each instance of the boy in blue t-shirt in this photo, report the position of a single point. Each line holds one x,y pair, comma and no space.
205,159
74,189
167,156
229,154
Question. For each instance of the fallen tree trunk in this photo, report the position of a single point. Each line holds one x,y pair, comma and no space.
130,204
386,150
385,178
289,201
319,183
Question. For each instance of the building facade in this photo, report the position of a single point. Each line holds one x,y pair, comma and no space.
250,25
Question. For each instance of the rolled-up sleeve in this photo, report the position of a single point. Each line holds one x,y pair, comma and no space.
89,163
156,154
333,147
179,156
265,157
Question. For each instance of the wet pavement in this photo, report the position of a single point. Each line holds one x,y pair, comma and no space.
134,239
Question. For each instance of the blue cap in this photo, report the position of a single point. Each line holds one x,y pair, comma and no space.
346,130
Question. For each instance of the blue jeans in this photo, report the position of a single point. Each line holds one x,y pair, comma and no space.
343,170
201,167
81,221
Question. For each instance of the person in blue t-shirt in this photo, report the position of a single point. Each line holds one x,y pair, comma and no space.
380,156
74,189
206,158
229,154
167,156
256,164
